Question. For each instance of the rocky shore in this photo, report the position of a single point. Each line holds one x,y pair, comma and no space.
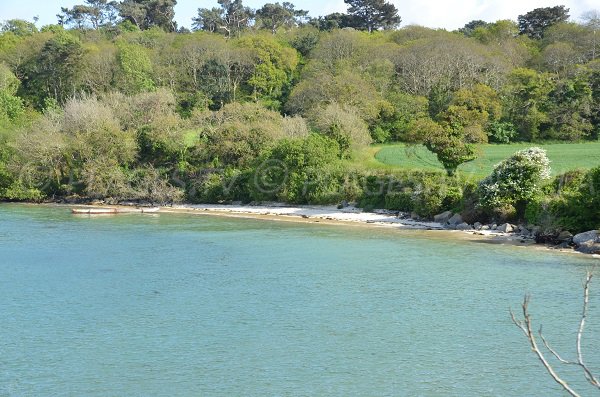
587,242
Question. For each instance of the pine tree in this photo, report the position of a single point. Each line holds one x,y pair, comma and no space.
535,22
373,14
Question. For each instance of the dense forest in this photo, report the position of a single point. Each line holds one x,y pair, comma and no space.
117,102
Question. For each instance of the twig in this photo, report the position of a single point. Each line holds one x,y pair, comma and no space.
586,299
526,326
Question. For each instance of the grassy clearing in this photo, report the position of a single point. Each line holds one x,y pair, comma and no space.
563,156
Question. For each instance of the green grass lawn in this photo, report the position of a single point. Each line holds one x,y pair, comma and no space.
563,157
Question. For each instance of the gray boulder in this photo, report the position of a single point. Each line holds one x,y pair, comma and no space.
505,228
463,226
587,237
589,247
485,227
477,226
455,220
443,217
564,237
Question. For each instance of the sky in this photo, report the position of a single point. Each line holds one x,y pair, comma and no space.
449,14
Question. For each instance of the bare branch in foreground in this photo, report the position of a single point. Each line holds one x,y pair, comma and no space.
526,326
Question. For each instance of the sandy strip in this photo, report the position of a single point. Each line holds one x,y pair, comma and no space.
312,213
331,215
350,216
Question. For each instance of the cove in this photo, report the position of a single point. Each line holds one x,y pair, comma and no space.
180,305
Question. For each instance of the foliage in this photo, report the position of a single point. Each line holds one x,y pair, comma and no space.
515,181
272,16
273,68
425,193
330,22
146,14
304,40
135,69
559,206
372,15
238,133
93,14
52,72
231,18
298,171
343,125
534,23
18,27
403,109
11,106
449,145
470,27
501,132
439,61
117,102
570,110
526,100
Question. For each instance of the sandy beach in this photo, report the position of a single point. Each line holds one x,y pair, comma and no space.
331,215
345,216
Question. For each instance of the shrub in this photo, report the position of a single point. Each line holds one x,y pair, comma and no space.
299,171
564,204
104,178
149,185
426,193
501,132
295,127
515,181
344,125
238,133
380,135
400,201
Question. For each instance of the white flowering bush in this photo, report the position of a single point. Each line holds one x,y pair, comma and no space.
515,180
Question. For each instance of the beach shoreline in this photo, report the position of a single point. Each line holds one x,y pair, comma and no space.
329,215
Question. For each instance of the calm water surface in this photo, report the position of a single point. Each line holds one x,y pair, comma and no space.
179,305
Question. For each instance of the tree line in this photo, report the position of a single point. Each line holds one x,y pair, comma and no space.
121,100
229,17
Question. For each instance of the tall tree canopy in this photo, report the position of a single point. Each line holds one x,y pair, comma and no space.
470,27
373,14
233,17
208,19
148,13
93,13
18,27
329,22
274,15
535,22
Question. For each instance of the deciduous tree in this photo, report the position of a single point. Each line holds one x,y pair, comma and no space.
19,27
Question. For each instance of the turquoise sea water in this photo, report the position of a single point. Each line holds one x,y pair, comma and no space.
180,305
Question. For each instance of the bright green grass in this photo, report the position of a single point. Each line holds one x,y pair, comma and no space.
563,157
